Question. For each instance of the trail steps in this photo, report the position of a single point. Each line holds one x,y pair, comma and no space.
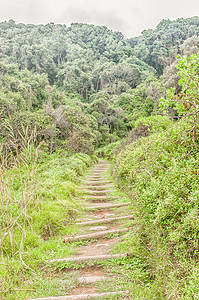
99,190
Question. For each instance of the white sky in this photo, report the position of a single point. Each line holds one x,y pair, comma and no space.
128,16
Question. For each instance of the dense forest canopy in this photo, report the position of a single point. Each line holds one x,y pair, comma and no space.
159,47
100,77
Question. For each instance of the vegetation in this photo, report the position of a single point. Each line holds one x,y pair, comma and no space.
38,204
159,47
67,94
160,172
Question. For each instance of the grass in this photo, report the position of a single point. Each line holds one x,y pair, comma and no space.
39,202
130,274
158,267
52,220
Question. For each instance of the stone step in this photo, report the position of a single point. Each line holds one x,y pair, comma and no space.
102,166
90,279
95,172
100,170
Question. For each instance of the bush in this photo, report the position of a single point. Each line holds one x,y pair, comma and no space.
161,172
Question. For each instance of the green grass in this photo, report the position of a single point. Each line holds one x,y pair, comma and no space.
38,234
163,245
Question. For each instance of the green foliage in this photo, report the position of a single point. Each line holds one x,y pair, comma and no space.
162,173
29,104
89,64
38,203
158,164
34,192
154,123
82,58
142,101
108,150
186,103
159,47
65,92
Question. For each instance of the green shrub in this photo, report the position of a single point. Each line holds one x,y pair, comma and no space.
107,151
161,173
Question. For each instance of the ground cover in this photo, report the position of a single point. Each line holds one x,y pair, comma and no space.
38,206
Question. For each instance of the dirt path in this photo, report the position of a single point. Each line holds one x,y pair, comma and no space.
100,219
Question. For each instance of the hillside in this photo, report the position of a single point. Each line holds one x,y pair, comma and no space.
69,95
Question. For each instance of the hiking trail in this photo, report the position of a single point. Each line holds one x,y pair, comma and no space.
106,216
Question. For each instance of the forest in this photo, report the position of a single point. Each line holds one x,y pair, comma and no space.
70,96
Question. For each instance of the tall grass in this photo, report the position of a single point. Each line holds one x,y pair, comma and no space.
34,188
38,200
18,190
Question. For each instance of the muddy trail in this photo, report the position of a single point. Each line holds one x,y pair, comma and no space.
106,221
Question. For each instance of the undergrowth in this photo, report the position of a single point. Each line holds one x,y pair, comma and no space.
39,200
160,173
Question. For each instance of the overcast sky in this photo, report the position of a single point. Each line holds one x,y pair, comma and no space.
128,16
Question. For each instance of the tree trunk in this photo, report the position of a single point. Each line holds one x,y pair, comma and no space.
95,235
102,221
88,258
84,296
